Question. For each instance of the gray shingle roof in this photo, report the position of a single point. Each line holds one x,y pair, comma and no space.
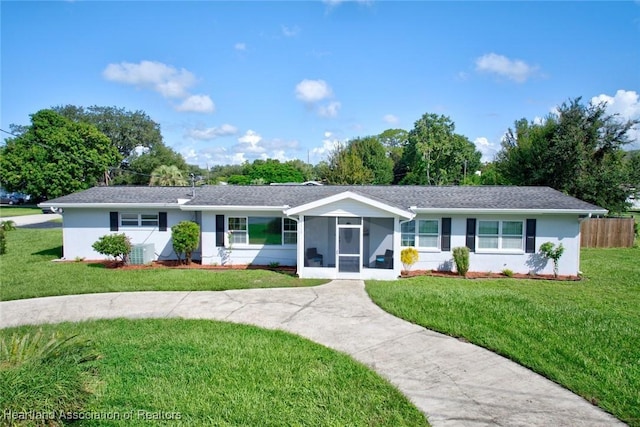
404,197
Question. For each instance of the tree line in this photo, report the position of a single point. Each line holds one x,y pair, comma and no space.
578,150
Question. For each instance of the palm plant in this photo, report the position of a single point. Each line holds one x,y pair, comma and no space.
167,176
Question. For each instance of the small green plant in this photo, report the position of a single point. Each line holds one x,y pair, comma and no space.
46,374
274,264
8,225
3,242
115,245
549,251
185,236
409,256
461,258
507,272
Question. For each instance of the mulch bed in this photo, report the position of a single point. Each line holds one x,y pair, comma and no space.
195,265
487,275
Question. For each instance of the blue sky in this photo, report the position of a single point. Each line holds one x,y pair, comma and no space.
236,81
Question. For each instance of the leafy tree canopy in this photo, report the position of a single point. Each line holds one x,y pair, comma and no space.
140,167
55,156
271,170
436,155
578,151
127,130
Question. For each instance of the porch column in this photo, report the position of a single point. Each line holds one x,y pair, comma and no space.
397,248
300,246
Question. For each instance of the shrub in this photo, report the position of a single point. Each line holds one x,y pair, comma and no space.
8,225
507,272
461,258
115,245
409,256
185,236
3,242
548,251
44,374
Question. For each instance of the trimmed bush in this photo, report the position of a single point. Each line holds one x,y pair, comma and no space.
8,225
461,258
185,236
409,256
115,245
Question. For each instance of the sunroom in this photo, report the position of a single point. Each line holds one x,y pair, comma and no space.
349,236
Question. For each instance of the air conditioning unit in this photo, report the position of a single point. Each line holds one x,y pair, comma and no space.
142,254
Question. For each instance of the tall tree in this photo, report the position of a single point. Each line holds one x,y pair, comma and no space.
578,151
395,141
436,155
55,156
374,157
345,167
167,176
127,130
139,168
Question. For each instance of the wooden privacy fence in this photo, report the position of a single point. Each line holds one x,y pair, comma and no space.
607,233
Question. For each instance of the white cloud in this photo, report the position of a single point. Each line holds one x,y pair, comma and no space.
329,144
625,104
164,79
391,119
311,91
329,110
250,142
240,46
197,104
516,70
212,132
488,149
290,31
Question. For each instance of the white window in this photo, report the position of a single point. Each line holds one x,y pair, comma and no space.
289,231
260,230
425,235
138,220
500,235
238,230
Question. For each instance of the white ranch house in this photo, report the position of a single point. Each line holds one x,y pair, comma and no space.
337,231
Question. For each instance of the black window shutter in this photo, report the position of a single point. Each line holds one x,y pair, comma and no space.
219,230
162,221
471,234
113,221
530,243
445,244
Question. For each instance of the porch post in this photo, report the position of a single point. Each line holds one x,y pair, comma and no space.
300,247
397,248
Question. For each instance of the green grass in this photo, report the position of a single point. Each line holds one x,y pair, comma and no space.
584,335
214,373
6,211
27,272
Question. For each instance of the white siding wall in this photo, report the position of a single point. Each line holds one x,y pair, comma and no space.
241,254
82,227
347,207
557,229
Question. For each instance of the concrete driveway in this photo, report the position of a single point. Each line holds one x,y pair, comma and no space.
37,219
454,383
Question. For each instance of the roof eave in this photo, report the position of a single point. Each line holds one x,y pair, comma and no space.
510,211
230,208
109,205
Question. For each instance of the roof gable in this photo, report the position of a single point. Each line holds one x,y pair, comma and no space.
349,196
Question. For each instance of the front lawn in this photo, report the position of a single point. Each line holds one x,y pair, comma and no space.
28,272
7,211
584,335
199,372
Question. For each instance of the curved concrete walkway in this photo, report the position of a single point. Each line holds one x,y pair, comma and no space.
452,382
